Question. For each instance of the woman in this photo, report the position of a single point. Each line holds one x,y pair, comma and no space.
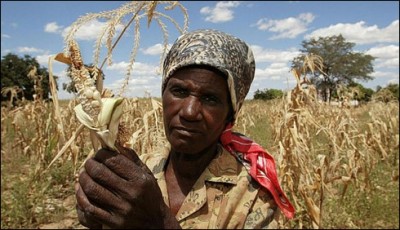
207,176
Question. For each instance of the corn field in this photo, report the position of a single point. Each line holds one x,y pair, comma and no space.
338,165
329,159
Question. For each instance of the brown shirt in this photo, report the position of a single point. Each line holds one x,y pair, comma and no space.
224,196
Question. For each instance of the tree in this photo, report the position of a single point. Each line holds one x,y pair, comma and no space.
16,72
268,94
341,64
387,93
363,94
394,88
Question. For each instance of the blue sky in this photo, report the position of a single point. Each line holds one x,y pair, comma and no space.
274,30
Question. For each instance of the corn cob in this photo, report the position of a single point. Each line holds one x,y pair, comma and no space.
100,115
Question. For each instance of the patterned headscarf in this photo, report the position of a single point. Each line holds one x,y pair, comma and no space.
234,58
228,54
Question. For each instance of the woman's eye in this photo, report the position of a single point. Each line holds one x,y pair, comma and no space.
179,92
211,100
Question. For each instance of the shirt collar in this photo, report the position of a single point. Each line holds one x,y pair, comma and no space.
222,169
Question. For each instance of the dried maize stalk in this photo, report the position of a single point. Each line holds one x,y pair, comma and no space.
101,115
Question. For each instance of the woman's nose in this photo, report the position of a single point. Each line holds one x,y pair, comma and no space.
191,109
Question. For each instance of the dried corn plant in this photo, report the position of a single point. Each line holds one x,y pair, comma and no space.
146,125
323,149
35,132
136,11
384,95
348,143
37,83
97,111
13,91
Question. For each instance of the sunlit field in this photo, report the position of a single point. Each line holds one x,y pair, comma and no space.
338,165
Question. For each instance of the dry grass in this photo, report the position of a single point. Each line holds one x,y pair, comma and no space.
337,165
101,117
123,17
324,151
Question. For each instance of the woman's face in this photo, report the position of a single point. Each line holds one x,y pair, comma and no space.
196,105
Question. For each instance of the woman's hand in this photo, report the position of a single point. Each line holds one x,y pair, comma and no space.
119,191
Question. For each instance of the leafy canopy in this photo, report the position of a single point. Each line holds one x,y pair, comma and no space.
341,64
14,73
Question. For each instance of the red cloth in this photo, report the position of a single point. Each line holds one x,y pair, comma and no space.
262,166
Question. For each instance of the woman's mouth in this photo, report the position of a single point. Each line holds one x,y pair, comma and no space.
186,132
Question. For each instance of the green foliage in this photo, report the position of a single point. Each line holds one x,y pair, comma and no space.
30,195
268,94
30,199
341,64
388,93
365,94
14,73
364,206
394,88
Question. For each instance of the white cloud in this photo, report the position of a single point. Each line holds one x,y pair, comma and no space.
151,89
276,74
393,81
29,50
386,56
272,78
5,36
91,30
43,59
268,55
385,52
286,28
222,12
143,80
386,75
5,51
118,67
52,27
360,33
389,63
276,71
156,49
138,68
278,65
